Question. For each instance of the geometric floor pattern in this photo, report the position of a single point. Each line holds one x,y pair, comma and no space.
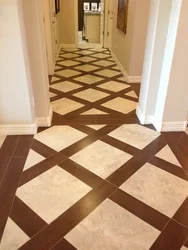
96,179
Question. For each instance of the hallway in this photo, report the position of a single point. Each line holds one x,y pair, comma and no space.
96,179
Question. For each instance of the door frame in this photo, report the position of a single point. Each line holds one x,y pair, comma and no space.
76,22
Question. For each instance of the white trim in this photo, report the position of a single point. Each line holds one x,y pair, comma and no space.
129,79
64,46
45,121
144,119
76,22
170,126
18,129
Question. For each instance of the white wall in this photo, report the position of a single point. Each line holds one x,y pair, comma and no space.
16,97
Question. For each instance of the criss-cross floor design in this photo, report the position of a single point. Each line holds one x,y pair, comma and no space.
96,179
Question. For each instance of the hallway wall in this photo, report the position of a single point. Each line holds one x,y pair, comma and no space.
129,48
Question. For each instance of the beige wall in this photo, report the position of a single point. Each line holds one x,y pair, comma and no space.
66,22
129,48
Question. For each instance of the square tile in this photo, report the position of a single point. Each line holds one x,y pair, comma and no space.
51,94
135,135
2,139
121,105
98,49
54,79
59,137
122,79
66,86
59,190
167,155
87,67
70,55
111,59
109,227
64,106
88,79
13,237
114,86
84,52
57,67
68,73
96,127
85,59
103,63
91,95
116,67
107,73
94,112
157,188
68,63
100,55
131,94
33,158
184,248
101,158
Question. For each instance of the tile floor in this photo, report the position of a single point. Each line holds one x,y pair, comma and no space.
96,179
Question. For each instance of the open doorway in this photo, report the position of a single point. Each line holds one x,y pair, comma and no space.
91,23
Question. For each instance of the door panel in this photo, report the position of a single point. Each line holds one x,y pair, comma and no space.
54,29
102,23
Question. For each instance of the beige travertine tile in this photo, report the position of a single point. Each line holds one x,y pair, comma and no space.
135,135
100,55
157,188
132,94
13,237
64,106
68,63
59,137
167,155
88,79
107,73
51,94
91,95
96,127
184,248
32,159
84,52
85,59
58,191
54,79
121,105
2,139
101,158
94,112
122,79
66,86
103,63
113,86
68,73
110,227
70,55
87,67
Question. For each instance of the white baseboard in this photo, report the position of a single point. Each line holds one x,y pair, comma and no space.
128,79
45,121
170,126
18,129
64,46
143,118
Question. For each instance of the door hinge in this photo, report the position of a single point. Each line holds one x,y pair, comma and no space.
56,41
108,33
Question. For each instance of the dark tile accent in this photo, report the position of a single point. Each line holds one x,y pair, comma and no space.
53,233
41,167
42,149
25,218
182,214
64,245
23,146
140,209
135,163
81,173
172,237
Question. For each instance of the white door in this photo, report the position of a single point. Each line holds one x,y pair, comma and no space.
54,29
102,23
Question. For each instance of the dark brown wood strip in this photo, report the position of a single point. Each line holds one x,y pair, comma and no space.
140,209
8,189
26,218
135,163
23,146
42,149
53,233
182,214
81,173
172,237
63,245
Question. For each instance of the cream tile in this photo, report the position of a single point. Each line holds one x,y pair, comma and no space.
87,67
157,188
103,63
100,55
54,79
96,127
13,237
66,86
120,104
32,159
51,94
68,63
167,155
2,139
113,86
122,79
94,112
110,227
111,59
70,49
131,93
101,158
88,79
57,67
64,106
70,55
107,73
84,52
184,248
68,73
135,135
100,49
85,59
58,191
59,137
116,67
91,95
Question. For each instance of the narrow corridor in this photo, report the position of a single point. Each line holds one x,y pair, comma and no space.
96,179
